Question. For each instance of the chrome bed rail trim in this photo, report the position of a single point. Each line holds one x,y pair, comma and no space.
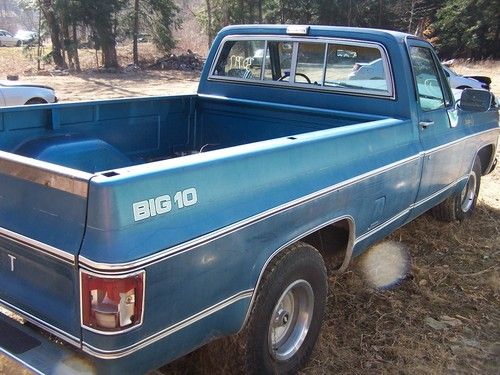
207,238
118,353
51,175
38,246
70,339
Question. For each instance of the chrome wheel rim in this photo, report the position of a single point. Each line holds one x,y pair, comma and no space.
469,193
290,320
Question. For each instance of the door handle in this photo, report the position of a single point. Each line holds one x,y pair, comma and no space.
426,124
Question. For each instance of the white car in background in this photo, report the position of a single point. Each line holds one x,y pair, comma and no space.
27,37
21,93
7,39
367,71
458,81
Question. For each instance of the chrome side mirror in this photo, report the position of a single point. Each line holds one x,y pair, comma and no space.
475,100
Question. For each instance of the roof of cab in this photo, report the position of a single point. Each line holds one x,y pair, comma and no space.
316,31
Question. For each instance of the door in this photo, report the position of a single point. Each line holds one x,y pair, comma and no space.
437,124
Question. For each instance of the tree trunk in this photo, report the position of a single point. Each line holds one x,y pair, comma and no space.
225,13
349,13
68,44
380,6
39,47
75,45
109,56
209,19
108,44
135,48
412,13
55,32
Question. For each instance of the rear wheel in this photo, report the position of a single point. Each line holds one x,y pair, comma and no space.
36,101
287,313
461,205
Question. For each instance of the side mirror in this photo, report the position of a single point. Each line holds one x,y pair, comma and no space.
475,100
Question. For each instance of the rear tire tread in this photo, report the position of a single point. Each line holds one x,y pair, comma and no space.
277,267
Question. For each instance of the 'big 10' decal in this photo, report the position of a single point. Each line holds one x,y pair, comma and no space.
164,204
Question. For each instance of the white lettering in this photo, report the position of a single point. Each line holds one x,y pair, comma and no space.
163,204
141,210
12,264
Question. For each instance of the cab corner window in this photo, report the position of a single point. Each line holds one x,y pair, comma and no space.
430,92
241,59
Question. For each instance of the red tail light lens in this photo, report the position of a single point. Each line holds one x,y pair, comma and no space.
112,304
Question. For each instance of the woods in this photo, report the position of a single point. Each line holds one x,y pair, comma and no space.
458,28
103,23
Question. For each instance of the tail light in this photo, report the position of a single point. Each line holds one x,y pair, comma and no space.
112,304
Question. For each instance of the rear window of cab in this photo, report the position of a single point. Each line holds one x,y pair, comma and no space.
360,68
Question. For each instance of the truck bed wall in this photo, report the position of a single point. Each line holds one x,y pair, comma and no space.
225,122
140,129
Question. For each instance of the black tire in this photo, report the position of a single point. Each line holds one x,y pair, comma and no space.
291,276
35,101
461,205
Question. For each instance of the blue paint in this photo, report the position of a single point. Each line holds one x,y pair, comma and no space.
269,165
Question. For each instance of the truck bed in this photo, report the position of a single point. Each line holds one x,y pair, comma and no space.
101,136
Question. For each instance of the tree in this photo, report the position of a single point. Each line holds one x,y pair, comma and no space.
209,22
101,16
48,10
468,28
154,17
135,48
160,16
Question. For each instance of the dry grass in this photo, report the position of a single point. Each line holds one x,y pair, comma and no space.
454,276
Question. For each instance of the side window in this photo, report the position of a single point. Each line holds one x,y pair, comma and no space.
429,89
310,63
353,66
241,59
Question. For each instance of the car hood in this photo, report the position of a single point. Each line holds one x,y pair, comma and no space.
6,83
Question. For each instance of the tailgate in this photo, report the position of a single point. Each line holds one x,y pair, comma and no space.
42,221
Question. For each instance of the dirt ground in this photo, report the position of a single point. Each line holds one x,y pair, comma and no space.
443,317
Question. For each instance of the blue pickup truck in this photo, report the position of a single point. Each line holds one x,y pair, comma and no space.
133,231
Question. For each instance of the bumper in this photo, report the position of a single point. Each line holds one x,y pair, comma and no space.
38,352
